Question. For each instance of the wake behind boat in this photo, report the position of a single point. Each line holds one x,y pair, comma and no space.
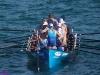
52,55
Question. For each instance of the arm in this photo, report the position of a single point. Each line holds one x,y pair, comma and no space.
66,28
58,34
56,22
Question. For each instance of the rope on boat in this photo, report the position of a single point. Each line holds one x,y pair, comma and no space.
38,51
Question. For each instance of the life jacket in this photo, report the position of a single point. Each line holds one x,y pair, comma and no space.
51,37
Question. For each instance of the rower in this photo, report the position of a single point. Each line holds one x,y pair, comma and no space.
33,43
44,22
43,40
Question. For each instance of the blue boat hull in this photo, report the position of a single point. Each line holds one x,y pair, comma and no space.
53,57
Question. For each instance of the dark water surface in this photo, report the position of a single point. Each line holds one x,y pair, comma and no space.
82,15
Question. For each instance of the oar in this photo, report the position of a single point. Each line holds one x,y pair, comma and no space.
88,52
12,46
90,41
83,39
8,46
14,38
9,53
12,41
17,30
89,47
89,33
37,49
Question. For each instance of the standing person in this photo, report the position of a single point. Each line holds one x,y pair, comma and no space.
64,32
52,34
52,20
59,38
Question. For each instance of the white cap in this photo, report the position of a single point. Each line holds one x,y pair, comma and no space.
51,24
59,30
59,24
61,21
45,23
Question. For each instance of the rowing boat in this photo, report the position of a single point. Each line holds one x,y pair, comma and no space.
52,57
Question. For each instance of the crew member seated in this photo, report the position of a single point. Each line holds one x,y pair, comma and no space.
43,40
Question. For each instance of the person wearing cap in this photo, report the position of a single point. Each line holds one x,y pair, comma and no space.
44,24
43,40
43,27
52,34
63,37
59,38
52,20
43,36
